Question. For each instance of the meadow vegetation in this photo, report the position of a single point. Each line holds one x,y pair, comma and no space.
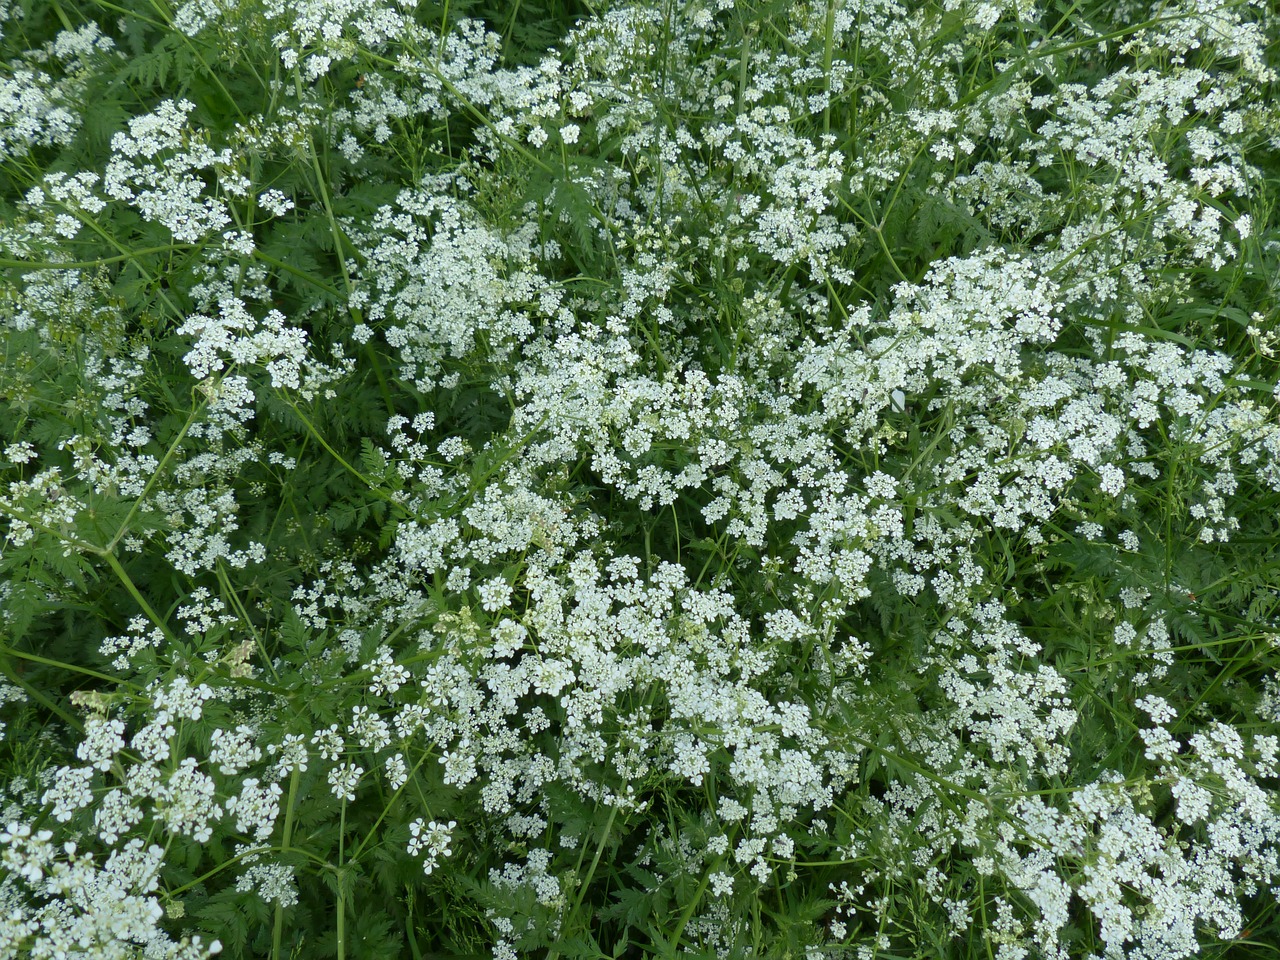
675,478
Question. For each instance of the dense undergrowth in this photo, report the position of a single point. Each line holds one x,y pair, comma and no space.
680,478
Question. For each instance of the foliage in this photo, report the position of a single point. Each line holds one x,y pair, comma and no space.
597,480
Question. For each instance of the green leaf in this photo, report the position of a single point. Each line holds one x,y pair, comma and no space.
371,460
294,634
342,515
226,915
153,68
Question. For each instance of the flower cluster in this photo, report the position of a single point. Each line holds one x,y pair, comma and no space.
640,481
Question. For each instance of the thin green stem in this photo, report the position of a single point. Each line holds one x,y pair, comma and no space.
334,453
339,238
475,112
554,950
828,45
691,907
223,865
33,692
85,264
386,809
6,651
195,51
151,481
134,592
342,882
300,274
286,843
230,591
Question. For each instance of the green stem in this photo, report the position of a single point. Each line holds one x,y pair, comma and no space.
919,770
151,482
382,379
61,535
62,16
216,870
138,597
387,809
554,950
243,614
116,8
444,30
323,188
6,651
342,884
475,112
277,929
195,50
85,264
692,906
334,453
300,274
827,48
126,254
7,669
879,232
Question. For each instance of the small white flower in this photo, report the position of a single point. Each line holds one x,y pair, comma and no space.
233,750
343,780
273,881
275,202
20,452
397,772
494,594
103,739
432,839
329,742
70,792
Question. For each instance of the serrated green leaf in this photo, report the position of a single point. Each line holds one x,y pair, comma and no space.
294,634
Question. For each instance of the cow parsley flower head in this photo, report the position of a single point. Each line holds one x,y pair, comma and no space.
431,840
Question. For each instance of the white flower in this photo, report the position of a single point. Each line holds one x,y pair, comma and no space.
292,753
232,751
495,594
115,815
182,701
103,739
256,808
329,742
20,452
274,882
1157,708
397,772
275,202
370,730
186,802
432,840
343,780
70,792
